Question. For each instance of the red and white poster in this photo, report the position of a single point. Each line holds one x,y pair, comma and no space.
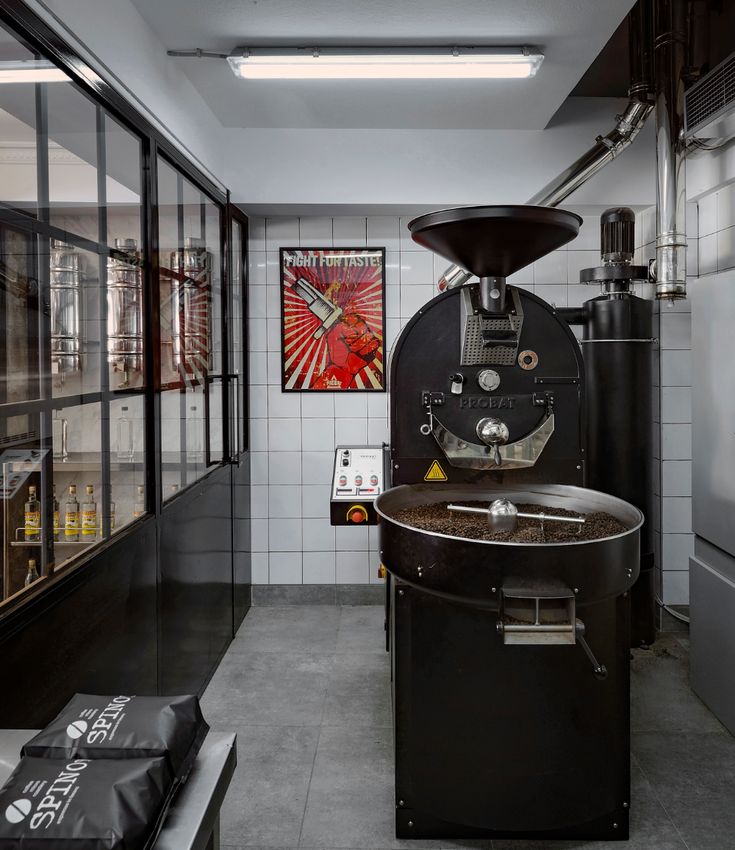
332,325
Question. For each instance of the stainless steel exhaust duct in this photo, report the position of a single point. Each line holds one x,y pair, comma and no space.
669,59
606,148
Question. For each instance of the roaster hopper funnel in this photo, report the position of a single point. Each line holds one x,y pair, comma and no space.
494,242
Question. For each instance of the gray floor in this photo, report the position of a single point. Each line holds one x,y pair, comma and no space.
307,691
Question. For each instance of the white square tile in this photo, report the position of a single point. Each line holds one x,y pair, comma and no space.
256,269
258,337
259,435
676,368
275,369
315,232
392,268
351,538
273,334
315,499
284,535
316,467
283,467
578,260
256,234
318,535
693,258
273,268
647,222
352,568
676,478
258,367
708,215
378,432
726,249
692,220
726,207
675,588
417,267
258,400
283,405
413,299
551,269
257,302
708,254
350,232
676,442
259,535
377,404
259,500
319,568
281,233
351,405
350,432
588,238
273,301
577,294
383,231
285,567
284,435
259,567
554,295
284,501
676,330
407,244
317,405
676,405
393,302
677,549
258,468
317,435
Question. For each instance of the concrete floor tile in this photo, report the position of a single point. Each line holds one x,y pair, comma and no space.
693,776
298,628
265,803
661,699
268,688
359,691
362,629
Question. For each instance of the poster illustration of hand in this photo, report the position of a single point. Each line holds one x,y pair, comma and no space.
332,319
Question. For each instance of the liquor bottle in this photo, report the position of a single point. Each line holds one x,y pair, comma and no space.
89,514
32,516
112,516
71,515
56,515
124,437
32,574
139,505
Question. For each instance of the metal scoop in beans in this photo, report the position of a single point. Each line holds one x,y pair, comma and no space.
502,515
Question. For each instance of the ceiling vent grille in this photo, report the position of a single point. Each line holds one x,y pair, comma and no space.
710,102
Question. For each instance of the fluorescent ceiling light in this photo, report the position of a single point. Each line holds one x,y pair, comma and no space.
366,63
31,71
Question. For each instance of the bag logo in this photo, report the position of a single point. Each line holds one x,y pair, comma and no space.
77,729
18,811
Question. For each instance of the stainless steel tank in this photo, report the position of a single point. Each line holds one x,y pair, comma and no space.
125,308
65,270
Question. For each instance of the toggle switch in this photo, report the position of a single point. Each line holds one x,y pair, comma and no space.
457,381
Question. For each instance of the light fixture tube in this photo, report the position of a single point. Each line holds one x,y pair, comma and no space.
31,71
460,63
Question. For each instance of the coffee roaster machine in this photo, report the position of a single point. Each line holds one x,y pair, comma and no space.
510,662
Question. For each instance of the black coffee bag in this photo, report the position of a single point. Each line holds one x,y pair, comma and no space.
120,727
51,804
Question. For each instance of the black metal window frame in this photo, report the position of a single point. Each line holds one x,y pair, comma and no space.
35,33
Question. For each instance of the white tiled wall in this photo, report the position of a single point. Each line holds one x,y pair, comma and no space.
293,435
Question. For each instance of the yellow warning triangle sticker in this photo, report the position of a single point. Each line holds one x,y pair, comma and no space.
435,472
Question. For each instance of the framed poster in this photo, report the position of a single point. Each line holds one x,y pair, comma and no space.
332,319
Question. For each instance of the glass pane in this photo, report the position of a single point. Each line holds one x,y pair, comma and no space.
237,347
20,318
215,385
78,481
127,461
72,161
125,298
19,163
76,328
172,418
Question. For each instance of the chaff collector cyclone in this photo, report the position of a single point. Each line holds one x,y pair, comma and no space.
474,572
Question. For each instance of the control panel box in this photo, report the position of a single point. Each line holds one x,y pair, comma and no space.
358,479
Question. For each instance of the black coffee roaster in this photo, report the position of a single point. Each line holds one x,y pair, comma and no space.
510,661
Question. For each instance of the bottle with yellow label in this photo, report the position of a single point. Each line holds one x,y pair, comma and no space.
32,516
89,515
71,515
32,574
139,504
56,515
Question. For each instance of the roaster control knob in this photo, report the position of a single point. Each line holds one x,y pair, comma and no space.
488,380
492,431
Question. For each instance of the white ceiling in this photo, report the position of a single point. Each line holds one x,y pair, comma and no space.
569,32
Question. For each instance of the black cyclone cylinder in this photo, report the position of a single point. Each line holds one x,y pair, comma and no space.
618,354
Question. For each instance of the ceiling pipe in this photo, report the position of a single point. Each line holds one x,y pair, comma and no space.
606,148
670,56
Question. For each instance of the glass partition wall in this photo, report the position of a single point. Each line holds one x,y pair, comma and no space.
82,361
